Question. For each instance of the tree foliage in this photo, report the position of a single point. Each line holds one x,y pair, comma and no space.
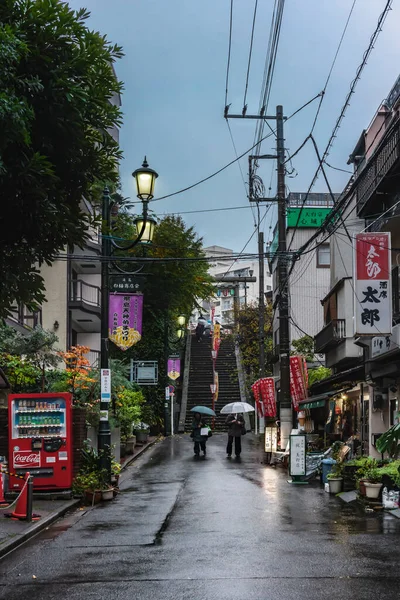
248,319
171,287
27,358
305,347
55,116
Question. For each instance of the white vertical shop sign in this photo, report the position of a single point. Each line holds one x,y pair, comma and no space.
105,385
372,284
271,439
297,455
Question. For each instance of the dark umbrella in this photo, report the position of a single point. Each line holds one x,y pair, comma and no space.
203,410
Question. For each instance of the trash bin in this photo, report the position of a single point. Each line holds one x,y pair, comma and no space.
327,464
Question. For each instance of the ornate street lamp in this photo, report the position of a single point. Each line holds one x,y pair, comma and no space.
181,320
146,225
145,180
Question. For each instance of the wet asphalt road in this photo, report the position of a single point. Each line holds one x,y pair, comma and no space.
210,529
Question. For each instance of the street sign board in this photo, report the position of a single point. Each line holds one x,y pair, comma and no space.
126,283
144,372
105,385
167,394
297,455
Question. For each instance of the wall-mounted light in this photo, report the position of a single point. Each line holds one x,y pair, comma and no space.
56,325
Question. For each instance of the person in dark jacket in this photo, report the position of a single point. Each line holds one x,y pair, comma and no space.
236,428
199,331
198,439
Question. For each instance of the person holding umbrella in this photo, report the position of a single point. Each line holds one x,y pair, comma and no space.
199,439
236,428
236,424
200,431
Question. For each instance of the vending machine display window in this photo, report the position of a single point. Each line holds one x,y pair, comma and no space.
33,418
40,440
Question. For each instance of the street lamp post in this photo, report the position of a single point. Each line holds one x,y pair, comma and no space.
145,182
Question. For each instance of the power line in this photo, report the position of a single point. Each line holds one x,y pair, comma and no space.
145,259
270,61
206,210
333,65
239,165
248,241
353,84
230,163
229,53
250,53
338,168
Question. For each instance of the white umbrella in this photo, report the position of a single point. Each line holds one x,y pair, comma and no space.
236,407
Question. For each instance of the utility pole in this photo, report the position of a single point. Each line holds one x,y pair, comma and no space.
261,315
284,399
285,405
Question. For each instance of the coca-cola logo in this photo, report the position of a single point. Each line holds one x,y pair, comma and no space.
26,458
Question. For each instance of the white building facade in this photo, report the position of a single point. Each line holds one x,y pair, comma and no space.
246,293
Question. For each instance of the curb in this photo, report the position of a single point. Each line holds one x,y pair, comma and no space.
128,462
37,528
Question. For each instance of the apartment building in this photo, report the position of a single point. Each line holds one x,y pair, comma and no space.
367,368
310,278
245,293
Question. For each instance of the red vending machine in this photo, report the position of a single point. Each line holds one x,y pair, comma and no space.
40,440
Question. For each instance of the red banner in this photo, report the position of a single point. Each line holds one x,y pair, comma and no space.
267,387
257,394
372,284
298,380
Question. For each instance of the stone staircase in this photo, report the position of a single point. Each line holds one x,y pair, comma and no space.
201,377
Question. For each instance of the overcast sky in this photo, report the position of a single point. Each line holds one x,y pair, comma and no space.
174,73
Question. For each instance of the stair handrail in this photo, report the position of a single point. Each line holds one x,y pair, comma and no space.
185,383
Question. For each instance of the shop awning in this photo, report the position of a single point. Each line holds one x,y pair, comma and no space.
313,403
318,401
347,378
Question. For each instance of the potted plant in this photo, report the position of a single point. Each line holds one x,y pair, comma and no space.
373,483
335,479
142,433
88,485
107,493
130,444
115,472
364,464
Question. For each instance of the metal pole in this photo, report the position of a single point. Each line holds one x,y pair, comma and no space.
236,305
29,499
172,413
166,348
245,293
283,289
261,315
104,435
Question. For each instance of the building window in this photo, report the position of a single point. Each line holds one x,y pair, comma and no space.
324,256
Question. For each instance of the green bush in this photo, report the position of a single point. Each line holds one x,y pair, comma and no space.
373,475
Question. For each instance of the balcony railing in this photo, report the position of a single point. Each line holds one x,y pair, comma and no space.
330,336
93,357
378,167
80,291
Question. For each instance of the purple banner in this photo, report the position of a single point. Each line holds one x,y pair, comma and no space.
125,319
174,368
